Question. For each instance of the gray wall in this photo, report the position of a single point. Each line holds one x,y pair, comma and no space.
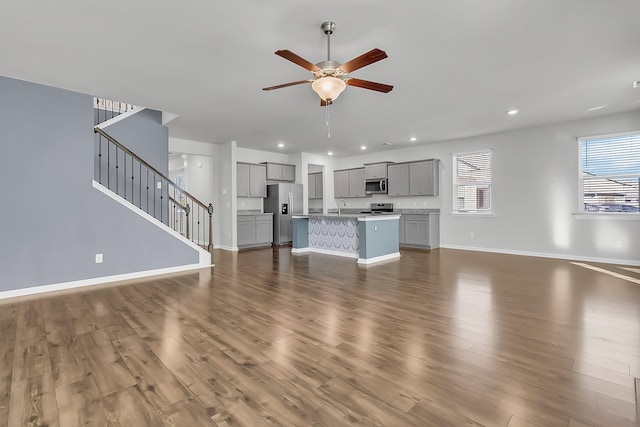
144,134
53,220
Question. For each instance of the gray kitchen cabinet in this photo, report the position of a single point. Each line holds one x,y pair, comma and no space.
288,173
349,183
314,187
421,178
375,170
424,178
420,230
311,186
255,230
356,183
246,230
242,182
319,186
398,180
341,184
281,172
264,229
252,180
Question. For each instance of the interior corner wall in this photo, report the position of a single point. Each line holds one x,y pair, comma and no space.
54,221
227,205
203,182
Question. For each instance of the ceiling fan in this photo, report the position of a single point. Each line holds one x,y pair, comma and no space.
331,77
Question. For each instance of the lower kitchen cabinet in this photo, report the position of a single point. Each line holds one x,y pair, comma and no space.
255,230
420,230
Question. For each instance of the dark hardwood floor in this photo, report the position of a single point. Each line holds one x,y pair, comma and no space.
441,338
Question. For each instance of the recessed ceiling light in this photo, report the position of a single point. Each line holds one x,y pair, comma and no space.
413,139
330,153
636,84
363,147
281,144
512,112
599,107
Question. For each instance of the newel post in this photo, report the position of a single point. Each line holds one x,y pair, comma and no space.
210,246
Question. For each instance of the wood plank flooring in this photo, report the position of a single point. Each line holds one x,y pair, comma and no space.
441,338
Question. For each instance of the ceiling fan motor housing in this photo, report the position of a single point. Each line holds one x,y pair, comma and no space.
329,68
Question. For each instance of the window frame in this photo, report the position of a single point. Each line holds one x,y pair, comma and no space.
581,212
471,212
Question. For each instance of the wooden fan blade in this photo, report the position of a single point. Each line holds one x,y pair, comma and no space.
374,55
324,103
290,56
366,84
299,82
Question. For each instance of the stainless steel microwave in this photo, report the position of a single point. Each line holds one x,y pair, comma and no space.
375,186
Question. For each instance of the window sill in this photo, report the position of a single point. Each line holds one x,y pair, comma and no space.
608,215
474,214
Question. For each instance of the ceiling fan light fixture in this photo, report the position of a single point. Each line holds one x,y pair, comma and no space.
328,88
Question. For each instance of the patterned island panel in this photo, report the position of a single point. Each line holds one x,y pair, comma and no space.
334,234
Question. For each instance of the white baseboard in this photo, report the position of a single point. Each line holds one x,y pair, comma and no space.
544,255
300,250
378,258
97,281
330,252
226,248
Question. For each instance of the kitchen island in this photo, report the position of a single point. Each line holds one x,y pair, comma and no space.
368,237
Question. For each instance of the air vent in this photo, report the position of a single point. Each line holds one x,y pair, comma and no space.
387,143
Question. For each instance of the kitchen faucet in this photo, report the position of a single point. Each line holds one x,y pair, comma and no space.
341,202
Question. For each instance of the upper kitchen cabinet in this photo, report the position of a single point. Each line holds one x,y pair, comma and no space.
398,179
252,180
375,170
314,188
281,172
421,178
424,178
356,183
349,183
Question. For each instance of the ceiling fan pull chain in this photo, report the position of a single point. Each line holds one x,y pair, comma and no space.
328,121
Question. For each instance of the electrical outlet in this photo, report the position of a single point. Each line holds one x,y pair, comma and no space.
617,244
159,185
472,235
99,258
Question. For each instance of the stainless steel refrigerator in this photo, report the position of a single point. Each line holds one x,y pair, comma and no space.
283,200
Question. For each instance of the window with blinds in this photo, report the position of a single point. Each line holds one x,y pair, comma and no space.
472,182
610,173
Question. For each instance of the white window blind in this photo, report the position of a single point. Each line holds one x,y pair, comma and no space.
472,182
610,173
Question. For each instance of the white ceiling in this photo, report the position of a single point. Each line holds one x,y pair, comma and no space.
457,65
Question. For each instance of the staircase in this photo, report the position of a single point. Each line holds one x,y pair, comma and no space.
130,177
